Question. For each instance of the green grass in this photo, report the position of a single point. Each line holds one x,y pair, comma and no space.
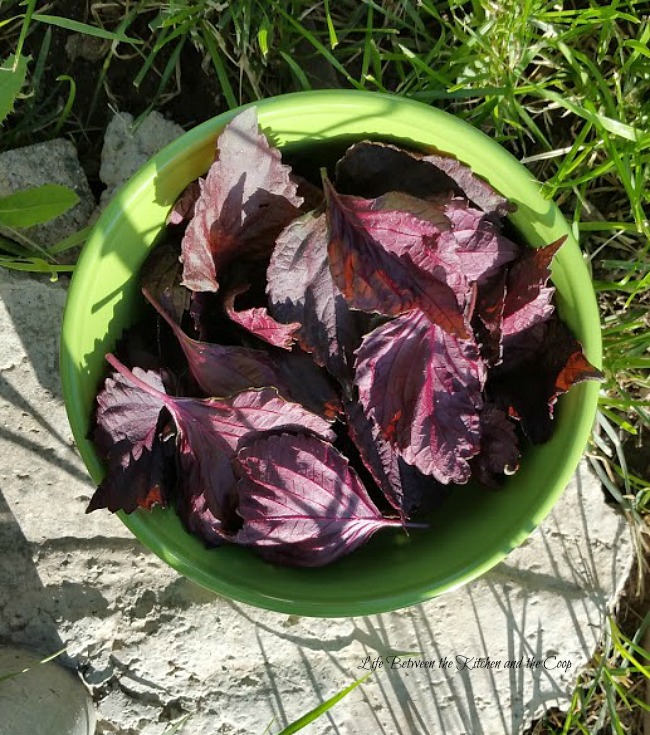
564,85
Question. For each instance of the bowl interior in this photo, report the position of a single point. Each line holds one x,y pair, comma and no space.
475,529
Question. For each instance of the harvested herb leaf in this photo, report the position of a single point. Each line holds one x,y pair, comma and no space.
301,502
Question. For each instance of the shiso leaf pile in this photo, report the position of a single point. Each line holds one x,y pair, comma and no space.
324,359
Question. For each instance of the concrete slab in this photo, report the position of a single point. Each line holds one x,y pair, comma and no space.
127,148
43,698
153,646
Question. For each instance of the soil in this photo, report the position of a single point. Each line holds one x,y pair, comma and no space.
104,80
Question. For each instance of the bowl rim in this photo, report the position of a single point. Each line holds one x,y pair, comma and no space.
345,100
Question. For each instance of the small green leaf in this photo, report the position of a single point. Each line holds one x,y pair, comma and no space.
88,30
33,206
12,77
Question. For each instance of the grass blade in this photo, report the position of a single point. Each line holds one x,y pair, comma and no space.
321,709
31,4
76,27
67,108
14,674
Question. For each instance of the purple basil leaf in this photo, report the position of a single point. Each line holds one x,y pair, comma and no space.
301,502
259,322
475,188
128,436
431,210
183,209
372,169
222,370
422,387
301,289
499,453
246,199
379,260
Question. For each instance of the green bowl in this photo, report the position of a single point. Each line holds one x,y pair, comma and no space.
475,529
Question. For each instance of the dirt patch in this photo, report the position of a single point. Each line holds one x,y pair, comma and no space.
105,78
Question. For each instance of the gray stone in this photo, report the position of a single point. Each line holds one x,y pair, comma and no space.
153,646
128,147
43,699
54,162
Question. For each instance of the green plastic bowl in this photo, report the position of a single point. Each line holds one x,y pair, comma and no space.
475,529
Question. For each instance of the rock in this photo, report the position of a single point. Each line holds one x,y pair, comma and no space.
44,700
154,647
126,148
54,162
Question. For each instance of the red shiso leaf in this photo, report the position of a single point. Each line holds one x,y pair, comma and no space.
530,390
405,488
422,387
372,169
301,502
308,384
221,370
380,262
528,298
246,199
465,243
129,435
471,185
499,453
161,277
301,289
183,209
259,322
209,434
479,248
488,317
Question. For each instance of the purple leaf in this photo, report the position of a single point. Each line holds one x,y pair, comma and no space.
479,249
161,277
308,384
422,387
183,209
529,391
499,453
301,289
528,298
209,434
221,370
259,322
246,199
405,488
488,317
129,435
378,260
372,169
301,502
